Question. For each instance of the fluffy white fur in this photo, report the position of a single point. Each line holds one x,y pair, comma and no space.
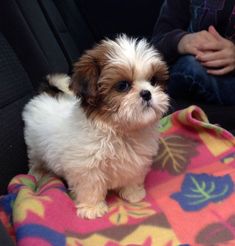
93,155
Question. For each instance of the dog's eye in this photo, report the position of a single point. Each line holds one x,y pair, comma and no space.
153,81
123,86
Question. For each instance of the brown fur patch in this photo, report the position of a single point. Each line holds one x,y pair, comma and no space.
86,74
161,74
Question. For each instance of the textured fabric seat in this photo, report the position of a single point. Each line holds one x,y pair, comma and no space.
107,18
15,91
26,28
68,26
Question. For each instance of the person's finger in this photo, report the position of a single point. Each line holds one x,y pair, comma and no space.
221,71
211,56
216,63
214,33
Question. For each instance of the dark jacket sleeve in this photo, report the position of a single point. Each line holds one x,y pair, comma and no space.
171,26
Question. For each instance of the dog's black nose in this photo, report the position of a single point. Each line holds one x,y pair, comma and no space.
146,95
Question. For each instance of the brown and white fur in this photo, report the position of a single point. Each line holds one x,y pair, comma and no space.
101,132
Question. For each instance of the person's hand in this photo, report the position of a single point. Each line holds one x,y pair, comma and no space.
218,57
191,43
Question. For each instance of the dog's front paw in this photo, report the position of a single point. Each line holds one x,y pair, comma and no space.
133,193
89,211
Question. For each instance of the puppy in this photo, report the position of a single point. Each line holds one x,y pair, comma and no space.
99,132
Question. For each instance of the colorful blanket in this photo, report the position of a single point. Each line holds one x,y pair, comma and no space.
190,197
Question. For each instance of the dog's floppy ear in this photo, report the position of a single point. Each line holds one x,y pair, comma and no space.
161,74
85,76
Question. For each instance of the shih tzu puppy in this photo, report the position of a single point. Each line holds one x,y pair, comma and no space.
98,129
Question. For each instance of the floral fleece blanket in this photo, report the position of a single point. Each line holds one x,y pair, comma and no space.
190,197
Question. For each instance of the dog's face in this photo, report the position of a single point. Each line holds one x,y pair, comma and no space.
121,83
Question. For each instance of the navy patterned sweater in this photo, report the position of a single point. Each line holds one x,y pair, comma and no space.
179,17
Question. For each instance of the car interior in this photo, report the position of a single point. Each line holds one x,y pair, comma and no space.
40,37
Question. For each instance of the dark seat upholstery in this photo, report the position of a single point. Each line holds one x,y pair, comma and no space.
15,91
69,27
26,29
64,38
106,18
